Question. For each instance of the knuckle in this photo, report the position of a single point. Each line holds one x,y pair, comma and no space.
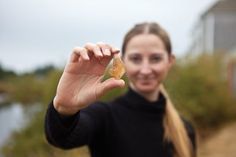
76,49
104,46
89,44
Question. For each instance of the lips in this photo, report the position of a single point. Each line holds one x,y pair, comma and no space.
146,78
145,81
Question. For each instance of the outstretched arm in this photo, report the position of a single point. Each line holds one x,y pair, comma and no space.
81,82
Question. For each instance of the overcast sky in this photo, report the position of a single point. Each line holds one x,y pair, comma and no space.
38,32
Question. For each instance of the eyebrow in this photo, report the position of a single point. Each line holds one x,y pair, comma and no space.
134,54
157,54
153,53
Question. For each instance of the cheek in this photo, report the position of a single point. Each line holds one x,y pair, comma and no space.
161,69
131,70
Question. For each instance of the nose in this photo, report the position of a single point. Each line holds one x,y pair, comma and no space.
145,68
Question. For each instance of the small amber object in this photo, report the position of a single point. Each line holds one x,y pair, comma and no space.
117,69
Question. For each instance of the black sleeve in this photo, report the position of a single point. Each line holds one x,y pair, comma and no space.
72,131
192,135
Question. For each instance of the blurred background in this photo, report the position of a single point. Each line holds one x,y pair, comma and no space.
37,36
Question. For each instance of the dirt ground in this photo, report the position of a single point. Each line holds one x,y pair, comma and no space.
222,144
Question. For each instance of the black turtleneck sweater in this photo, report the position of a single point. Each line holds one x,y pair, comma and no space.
130,126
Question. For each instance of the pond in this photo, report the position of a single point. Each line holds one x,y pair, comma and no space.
14,117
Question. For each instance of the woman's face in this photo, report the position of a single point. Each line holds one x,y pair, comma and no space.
147,62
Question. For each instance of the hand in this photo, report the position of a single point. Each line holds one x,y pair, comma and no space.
81,82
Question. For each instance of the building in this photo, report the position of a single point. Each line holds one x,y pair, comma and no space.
216,29
216,32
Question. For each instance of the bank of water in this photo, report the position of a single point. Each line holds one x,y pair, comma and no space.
14,117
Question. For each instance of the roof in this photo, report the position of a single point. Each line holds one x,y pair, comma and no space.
222,5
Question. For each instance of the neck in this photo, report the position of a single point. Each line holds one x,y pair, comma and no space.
150,96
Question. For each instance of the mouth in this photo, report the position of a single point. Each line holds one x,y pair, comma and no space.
150,78
145,81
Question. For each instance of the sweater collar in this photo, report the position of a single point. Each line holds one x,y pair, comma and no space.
138,102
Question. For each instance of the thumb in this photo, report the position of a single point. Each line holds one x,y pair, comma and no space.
108,85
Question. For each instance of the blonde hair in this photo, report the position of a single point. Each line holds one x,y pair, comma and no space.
175,130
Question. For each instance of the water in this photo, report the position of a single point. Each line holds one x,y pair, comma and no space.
14,117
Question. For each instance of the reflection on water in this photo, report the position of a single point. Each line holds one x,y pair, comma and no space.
13,117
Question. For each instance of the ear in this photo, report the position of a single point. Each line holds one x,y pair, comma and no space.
171,60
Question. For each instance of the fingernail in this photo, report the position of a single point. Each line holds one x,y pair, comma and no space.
99,53
116,50
86,58
107,52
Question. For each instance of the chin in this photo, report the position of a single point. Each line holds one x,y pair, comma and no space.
147,88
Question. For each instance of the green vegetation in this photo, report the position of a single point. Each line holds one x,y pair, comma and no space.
5,73
198,88
200,91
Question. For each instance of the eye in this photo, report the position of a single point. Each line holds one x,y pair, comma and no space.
155,59
135,59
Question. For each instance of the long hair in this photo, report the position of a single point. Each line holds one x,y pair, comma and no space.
175,131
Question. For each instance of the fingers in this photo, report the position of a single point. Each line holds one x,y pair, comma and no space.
107,50
79,52
115,50
95,49
102,49
108,85
99,50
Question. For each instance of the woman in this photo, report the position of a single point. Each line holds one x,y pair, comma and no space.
143,122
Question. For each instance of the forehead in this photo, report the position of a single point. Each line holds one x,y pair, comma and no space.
145,43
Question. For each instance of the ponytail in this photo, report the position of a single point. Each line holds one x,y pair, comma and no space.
175,130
